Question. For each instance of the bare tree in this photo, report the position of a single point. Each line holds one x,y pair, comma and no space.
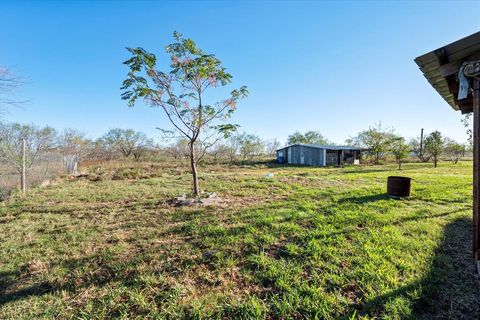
179,149
8,84
37,142
142,149
272,146
102,149
233,146
127,142
250,146
73,146
419,150
219,151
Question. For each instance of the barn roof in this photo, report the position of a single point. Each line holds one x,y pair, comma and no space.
441,67
319,146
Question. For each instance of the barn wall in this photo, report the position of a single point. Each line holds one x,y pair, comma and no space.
294,155
313,156
304,155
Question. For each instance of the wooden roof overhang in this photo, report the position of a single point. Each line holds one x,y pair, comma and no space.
441,68
450,69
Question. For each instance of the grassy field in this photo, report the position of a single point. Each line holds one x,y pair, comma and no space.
323,243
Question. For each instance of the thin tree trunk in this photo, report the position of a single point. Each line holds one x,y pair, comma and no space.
193,165
399,165
24,167
435,161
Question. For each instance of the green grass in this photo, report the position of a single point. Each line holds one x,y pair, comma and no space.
322,243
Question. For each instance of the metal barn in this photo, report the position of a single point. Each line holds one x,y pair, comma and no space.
318,155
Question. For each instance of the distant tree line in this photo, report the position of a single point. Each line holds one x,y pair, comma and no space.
23,146
117,144
379,142
239,148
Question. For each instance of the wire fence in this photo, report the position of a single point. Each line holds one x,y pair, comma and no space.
49,166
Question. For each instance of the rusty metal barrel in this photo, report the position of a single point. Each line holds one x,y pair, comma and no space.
398,187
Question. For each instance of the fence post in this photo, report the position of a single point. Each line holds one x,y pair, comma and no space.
24,154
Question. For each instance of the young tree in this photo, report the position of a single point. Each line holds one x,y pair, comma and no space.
454,150
37,142
180,93
377,140
434,145
250,145
310,137
400,150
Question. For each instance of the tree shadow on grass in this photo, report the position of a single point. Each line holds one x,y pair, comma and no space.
450,290
13,289
94,270
366,199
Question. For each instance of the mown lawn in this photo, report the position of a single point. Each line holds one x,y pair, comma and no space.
307,243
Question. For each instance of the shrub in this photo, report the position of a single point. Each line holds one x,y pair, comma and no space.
4,193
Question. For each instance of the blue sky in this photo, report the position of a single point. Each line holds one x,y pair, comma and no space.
336,67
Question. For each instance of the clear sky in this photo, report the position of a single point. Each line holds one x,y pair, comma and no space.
336,67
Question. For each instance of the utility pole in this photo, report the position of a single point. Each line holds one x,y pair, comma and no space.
24,169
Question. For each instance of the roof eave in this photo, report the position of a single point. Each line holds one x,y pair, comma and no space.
434,63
